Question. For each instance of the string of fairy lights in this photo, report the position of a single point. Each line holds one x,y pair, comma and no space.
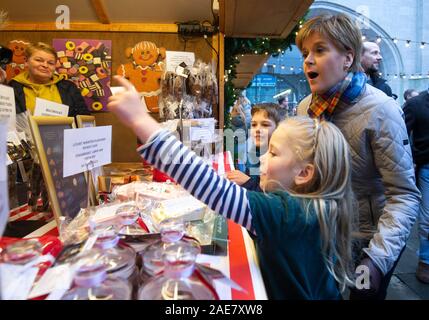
407,43
389,76
261,48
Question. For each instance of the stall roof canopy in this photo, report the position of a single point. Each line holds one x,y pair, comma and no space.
237,18
116,11
255,18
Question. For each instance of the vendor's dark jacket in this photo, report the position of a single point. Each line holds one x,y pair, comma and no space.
70,96
416,112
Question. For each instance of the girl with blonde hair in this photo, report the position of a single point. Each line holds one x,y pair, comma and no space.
301,225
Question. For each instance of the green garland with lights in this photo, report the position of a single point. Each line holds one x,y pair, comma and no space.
235,47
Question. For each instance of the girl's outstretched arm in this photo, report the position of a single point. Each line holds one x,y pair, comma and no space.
169,155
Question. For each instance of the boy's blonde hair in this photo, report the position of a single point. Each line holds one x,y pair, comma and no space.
33,47
340,29
329,192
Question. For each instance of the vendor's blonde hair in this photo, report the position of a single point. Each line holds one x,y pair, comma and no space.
340,29
329,192
39,46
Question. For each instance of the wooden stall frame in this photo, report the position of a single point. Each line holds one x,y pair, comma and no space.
35,122
93,27
81,119
217,41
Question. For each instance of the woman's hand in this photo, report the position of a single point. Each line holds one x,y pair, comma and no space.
372,290
238,177
128,108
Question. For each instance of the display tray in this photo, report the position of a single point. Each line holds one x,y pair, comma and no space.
219,239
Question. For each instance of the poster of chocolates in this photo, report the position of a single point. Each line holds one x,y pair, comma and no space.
88,64
71,192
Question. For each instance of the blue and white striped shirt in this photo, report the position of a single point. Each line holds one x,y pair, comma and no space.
169,155
289,244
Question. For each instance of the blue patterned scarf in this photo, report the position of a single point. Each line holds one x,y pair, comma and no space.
345,91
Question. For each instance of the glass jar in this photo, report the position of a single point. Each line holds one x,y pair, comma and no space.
172,231
92,282
127,216
176,281
22,252
118,258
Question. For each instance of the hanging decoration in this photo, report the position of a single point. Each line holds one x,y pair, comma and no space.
144,70
196,94
18,59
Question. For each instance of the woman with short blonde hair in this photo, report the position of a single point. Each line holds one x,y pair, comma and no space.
382,169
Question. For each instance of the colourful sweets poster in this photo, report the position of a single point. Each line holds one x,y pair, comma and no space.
88,64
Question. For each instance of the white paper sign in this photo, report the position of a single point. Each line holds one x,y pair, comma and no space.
7,106
12,136
16,281
174,58
59,277
201,129
4,198
50,108
86,148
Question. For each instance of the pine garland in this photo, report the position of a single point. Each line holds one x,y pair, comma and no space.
235,47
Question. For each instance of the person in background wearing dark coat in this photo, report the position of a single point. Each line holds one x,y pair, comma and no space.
416,112
410,93
370,60
40,81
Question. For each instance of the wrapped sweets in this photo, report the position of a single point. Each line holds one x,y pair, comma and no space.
149,190
188,208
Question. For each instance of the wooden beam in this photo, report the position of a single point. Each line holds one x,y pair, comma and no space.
95,27
215,62
100,11
228,10
222,16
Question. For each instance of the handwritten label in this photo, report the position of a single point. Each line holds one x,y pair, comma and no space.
202,130
86,148
7,106
50,108
175,58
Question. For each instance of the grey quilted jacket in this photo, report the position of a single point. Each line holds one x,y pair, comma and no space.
383,175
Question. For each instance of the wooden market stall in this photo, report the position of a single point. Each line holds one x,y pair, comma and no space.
127,22
170,24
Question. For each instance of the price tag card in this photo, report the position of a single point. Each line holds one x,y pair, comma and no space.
86,148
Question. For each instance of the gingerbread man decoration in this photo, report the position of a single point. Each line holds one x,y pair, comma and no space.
145,71
18,60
